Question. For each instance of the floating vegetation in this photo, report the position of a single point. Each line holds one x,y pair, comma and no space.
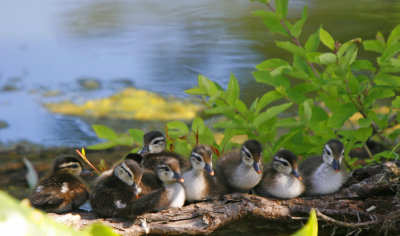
131,103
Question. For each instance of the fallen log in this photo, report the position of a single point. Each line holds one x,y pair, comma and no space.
368,203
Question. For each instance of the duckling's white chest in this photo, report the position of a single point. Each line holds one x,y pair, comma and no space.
325,180
176,194
244,177
195,185
286,186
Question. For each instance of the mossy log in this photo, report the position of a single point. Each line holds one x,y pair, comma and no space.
369,203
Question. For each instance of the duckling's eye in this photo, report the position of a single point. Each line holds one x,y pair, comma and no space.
198,158
156,142
285,164
328,152
74,166
164,169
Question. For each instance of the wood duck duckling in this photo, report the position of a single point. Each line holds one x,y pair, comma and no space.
241,170
62,191
281,178
170,195
153,142
200,182
154,150
326,174
115,193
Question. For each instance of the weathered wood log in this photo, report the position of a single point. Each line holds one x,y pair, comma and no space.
368,203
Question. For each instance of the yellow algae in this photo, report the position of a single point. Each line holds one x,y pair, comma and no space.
131,103
239,139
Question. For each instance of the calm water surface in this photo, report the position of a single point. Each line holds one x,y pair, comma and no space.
156,45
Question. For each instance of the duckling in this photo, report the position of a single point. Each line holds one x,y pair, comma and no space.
115,192
62,191
153,142
326,174
200,182
281,178
241,170
170,195
154,150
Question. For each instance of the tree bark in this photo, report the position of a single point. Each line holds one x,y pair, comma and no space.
369,203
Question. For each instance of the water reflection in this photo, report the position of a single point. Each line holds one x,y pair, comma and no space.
154,44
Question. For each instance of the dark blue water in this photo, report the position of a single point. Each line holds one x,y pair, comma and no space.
156,45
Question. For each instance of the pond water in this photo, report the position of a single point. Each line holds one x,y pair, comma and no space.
49,46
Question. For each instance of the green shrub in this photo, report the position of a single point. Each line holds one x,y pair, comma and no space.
334,93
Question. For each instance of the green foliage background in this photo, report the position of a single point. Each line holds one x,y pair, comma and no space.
325,82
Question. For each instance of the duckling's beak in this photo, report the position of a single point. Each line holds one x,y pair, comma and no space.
178,177
86,172
335,165
296,174
136,190
209,169
256,167
144,150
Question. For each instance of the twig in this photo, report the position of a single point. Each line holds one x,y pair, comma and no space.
366,224
87,161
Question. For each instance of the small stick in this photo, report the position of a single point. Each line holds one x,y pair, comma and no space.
87,161
345,224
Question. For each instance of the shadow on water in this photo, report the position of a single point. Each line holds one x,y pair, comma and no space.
156,45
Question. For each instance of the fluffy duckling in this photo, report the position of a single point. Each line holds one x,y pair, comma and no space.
153,142
241,170
281,178
326,174
62,191
115,193
200,182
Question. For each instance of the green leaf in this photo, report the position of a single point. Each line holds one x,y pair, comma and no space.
104,132
101,146
266,99
272,21
207,85
177,129
327,58
282,7
275,81
365,122
376,93
341,115
298,26
219,110
310,228
241,107
298,93
198,125
123,139
326,39
233,90
272,64
290,47
396,102
195,91
394,36
283,140
363,134
312,42
137,135
387,79
390,52
289,123
362,65
305,111
270,113
373,46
